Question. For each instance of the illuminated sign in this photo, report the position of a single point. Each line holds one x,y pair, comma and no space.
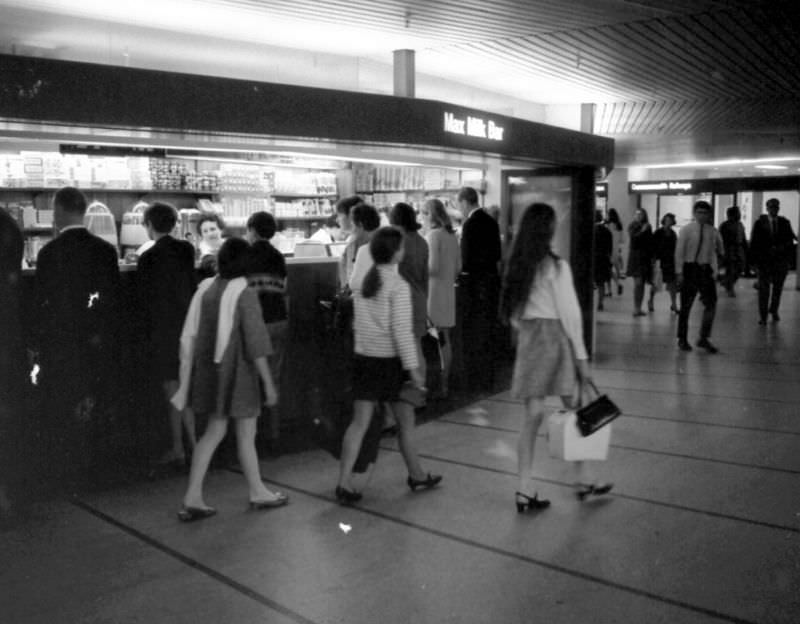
473,126
655,187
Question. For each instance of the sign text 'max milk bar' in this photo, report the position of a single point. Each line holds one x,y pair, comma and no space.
473,126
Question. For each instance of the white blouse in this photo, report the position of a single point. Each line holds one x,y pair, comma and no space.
553,297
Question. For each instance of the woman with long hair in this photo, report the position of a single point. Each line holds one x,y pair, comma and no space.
539,300
225,374
385,356
640,257
614,224
413,268
444,265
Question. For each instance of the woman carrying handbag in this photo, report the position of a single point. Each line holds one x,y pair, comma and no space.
539,300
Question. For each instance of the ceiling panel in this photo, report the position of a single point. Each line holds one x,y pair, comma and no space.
654,68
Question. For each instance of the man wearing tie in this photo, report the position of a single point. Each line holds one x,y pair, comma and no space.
480,284
696,253
771,246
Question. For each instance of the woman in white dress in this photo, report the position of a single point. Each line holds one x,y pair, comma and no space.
444,265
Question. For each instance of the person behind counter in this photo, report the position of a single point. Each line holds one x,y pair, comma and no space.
225,374
266,275
209,228
76,298
166,282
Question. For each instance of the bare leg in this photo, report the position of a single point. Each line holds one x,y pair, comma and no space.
531,422
208,443
353,437
177,419
423,365
248,459
405,416
447,360
638,295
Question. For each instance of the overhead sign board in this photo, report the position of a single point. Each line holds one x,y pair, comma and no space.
676,186
470,125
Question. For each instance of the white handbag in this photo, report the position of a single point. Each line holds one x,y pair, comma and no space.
564,439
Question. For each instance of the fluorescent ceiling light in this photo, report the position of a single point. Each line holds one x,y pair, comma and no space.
771,167
731,162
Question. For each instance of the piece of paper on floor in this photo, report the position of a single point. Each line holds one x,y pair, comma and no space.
346,528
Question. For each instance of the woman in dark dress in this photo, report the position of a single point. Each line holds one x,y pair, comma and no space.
664,241
640,257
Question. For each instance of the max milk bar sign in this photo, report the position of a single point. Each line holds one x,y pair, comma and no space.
473,127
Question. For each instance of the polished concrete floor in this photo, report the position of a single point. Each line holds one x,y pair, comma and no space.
703,524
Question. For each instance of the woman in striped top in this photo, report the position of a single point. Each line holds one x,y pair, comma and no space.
385,355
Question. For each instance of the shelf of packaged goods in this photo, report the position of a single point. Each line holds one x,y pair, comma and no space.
417,190
304,195
38,229
53,189
303,218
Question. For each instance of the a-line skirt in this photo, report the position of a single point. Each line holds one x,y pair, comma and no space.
545,364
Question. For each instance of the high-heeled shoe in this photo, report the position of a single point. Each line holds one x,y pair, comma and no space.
582,490
426,483
533,503
346,497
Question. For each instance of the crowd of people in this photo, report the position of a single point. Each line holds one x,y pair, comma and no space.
693,261
215,346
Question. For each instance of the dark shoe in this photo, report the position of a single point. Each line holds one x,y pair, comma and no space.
599,307
346,497
684,346
279,501
674,310
650,306
619,289
426,483
531,503
639,313
705,343
582,490
762,321
775,317
190,514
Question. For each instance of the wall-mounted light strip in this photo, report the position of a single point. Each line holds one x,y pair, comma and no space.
723,163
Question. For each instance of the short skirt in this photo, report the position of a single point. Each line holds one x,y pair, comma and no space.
545,363
376,378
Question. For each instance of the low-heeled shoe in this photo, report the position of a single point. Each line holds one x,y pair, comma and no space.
279,501
191,514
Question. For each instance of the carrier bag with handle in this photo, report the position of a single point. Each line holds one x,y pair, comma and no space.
565,430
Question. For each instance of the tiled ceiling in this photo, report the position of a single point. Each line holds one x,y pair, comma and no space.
716,70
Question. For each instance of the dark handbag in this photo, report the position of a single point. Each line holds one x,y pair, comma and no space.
412,394
343,311
431,344
596,414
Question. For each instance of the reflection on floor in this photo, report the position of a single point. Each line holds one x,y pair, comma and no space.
703,524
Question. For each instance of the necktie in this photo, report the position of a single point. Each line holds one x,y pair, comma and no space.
699,244
772,226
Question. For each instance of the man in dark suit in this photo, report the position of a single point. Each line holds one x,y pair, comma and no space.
480,281
77,284
771,248
166,282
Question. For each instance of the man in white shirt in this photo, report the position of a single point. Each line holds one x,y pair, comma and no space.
696,253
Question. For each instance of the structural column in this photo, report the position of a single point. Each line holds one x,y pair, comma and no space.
404,73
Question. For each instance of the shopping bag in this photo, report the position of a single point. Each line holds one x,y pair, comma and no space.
565,441
658,276
596,414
